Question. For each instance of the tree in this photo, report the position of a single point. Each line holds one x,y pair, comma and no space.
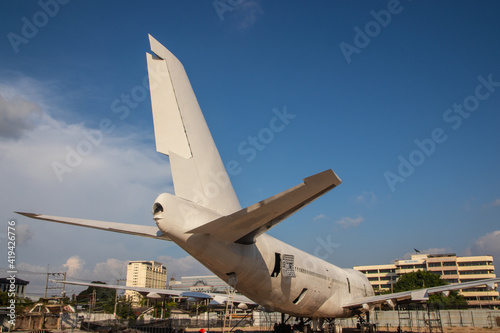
21,302
104,297
4,298
124,309
424,279
169,307
418,280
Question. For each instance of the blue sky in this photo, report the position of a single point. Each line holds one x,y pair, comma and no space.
400,98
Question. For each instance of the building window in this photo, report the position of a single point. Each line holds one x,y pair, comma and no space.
473,263
449,263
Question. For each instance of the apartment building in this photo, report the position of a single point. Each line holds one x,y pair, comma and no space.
450,267
149,274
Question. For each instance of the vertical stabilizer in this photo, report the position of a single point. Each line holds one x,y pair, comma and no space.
182,133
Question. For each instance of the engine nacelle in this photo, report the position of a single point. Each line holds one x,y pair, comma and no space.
175,214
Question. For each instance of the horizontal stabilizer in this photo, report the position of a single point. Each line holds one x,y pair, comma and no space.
124,228
247,224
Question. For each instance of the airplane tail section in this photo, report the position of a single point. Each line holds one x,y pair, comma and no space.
205,201
181,133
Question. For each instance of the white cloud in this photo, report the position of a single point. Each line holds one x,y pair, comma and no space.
20,234
366,198
76,269
117,181
119,175
186,266
245,14
110,270
488,244
17,116
23,234
494,203
251,12
74,266
35,274
347,222
319,217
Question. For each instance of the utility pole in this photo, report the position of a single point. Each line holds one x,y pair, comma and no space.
53,282
116,296
46,282
94,299
90,305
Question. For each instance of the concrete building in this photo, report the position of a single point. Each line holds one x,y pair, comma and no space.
16,285
149,274
450,267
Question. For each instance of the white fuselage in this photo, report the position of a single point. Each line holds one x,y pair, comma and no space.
318,289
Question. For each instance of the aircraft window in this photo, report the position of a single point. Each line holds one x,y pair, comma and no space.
349,285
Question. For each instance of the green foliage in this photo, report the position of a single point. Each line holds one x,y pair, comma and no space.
201,309
425,279
4,298
453,301
124,309
104,298
21,303
418,280
168,308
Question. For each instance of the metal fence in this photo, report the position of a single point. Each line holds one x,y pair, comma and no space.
449,318
389,320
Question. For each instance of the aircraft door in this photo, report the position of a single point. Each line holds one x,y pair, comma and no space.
277,265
